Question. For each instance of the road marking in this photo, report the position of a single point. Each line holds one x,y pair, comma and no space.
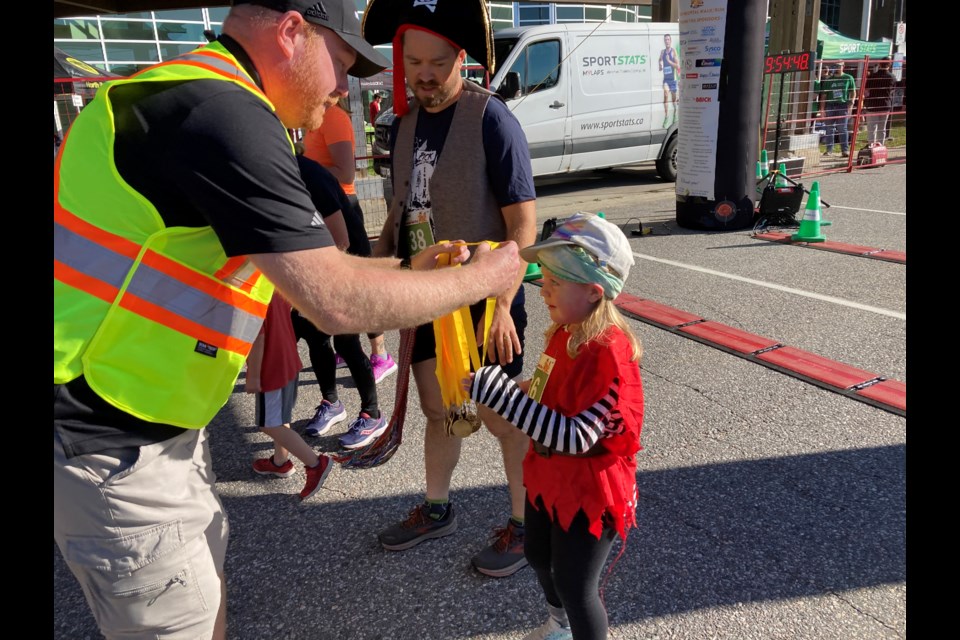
893,213
759,283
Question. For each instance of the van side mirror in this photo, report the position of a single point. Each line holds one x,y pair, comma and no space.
510,87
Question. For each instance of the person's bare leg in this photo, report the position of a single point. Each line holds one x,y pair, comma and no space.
377,344
440,451
513,445
220,625
287,441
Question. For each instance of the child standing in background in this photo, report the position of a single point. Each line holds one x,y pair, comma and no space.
273,370
583,410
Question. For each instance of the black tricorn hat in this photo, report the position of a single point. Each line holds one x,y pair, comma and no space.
464,22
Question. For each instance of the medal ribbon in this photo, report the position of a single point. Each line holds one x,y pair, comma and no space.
456,346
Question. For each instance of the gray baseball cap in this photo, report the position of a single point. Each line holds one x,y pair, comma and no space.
340,16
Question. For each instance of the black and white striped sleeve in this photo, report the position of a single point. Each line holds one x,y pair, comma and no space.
567,434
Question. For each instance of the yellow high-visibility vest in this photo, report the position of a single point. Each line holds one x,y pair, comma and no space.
158,320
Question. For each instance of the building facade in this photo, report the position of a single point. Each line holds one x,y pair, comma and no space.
126,43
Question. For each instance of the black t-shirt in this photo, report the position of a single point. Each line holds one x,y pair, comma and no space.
204,152
328,196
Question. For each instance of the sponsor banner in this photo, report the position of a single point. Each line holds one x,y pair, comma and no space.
603,73
702,25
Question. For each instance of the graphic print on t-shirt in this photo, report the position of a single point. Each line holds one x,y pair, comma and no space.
419,222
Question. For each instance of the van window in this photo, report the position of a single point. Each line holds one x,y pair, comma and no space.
539,66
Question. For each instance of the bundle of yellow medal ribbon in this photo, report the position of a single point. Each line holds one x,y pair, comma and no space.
456,344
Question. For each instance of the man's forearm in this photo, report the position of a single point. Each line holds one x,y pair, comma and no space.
346,294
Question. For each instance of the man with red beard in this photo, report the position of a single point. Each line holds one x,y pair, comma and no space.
461,170
178,208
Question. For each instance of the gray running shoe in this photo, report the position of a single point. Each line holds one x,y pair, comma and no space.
418,526
504,557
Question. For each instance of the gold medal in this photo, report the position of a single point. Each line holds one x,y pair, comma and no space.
456,348
462,428
462,421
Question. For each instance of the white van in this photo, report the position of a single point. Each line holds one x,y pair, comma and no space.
591,96
588,96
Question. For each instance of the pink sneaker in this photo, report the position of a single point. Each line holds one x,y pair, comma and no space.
383,366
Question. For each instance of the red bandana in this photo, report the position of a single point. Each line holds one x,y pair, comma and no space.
400,104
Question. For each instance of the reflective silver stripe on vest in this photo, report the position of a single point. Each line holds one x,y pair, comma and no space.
241,275
192,304
88,257
107,266
216,62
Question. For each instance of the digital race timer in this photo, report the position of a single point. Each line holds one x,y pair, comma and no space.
787,62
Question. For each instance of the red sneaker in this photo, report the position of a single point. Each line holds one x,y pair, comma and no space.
315,476
267,467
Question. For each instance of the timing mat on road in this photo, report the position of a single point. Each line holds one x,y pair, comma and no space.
857,384
837,247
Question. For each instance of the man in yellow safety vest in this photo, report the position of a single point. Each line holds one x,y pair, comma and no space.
178,208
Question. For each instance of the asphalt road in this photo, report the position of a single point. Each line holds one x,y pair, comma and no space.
769,507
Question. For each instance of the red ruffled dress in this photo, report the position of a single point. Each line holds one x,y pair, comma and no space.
600,484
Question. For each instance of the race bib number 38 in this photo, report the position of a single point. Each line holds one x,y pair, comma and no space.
419,233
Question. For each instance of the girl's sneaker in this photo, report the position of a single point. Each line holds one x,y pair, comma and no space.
267,467
383,366
550,630
327,415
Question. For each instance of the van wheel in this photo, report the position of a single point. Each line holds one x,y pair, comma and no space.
667,164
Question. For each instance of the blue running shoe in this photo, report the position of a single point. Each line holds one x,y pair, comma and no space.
327,415
363,431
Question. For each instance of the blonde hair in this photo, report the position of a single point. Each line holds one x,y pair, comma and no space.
604,314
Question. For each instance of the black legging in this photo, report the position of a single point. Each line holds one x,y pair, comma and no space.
568,565
323,360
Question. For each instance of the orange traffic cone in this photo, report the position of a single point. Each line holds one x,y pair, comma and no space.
810,224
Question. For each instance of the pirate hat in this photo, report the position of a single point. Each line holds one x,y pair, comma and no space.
462,22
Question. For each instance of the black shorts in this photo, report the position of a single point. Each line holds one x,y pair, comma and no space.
425,346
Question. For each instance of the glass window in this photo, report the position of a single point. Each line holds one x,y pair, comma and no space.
89,52
180,31
569,14
502,48
76,28
217,14
533,15
127,69
543,66
181,14
141,15
125,30
168,50
595,14
501,13
830,13
127,51
538,66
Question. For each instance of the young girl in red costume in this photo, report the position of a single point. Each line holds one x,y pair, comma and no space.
583,410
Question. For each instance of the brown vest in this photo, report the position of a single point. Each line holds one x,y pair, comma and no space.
462,204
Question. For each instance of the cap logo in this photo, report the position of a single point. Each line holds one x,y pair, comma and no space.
570,228
429,4
317,11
